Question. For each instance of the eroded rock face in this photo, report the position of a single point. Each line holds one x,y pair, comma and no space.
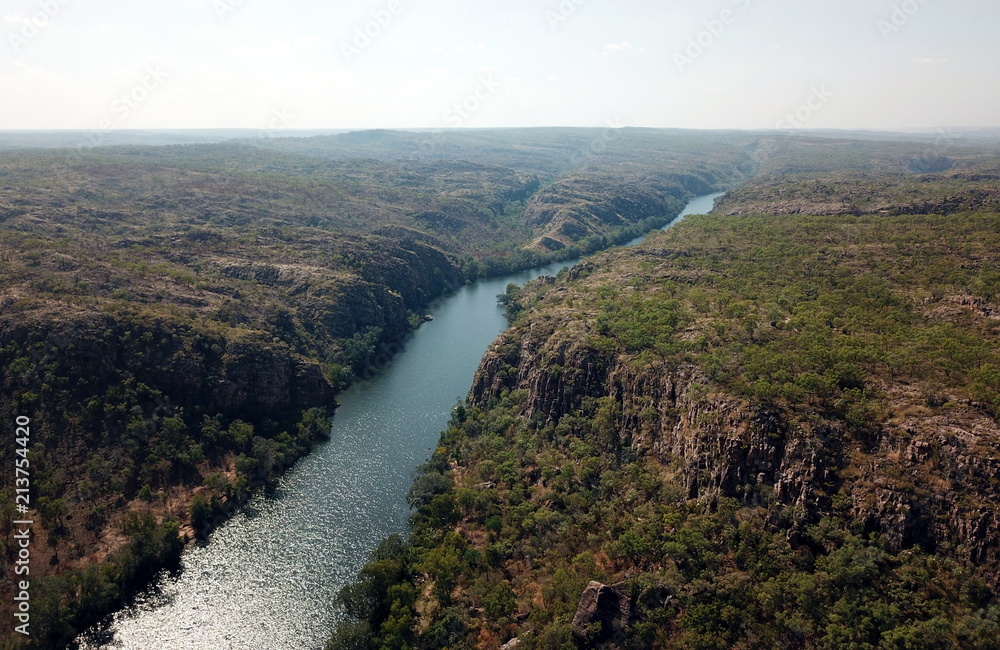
603,614
928,480
574,208
114,380
260,377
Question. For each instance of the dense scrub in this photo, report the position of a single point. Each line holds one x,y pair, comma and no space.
505,548
763,431
146,434
177,320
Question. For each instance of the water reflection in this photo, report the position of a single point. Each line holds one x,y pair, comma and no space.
269,576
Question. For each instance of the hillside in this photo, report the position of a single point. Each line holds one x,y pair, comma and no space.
822,176
750,431
176,321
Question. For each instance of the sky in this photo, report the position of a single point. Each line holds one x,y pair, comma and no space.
311,64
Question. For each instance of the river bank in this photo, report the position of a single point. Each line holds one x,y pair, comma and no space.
268,577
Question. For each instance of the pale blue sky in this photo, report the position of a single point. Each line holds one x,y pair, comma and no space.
268,64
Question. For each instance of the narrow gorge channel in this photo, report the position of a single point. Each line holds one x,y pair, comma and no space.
268,577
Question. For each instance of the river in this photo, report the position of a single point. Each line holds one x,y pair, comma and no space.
268,577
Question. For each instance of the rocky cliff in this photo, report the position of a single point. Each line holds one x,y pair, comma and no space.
921,479
916,463
749,431
578,207
176,395
690,445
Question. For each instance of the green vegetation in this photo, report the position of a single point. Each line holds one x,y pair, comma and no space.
177,320
560,513
66,603
835,176
764,431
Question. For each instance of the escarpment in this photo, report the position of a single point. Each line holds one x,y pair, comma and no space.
716,444
570,210
771,430
863,444
175,394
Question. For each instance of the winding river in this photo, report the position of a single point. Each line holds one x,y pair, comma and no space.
268,577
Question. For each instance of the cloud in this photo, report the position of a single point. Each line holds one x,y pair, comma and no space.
926,61
624,46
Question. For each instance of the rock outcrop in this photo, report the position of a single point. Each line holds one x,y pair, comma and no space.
917,481
603,614
575,208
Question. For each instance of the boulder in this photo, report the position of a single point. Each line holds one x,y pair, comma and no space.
609,607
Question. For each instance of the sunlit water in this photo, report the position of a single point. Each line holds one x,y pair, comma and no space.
268,577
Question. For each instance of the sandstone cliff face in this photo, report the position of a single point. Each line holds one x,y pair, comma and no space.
849,195
919,481
385,280
230,367
722,442
575,208
94,354
132,393
933,481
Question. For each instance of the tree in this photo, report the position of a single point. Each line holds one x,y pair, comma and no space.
201,512
501,602
145,494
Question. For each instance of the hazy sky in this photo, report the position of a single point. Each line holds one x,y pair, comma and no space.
263,64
